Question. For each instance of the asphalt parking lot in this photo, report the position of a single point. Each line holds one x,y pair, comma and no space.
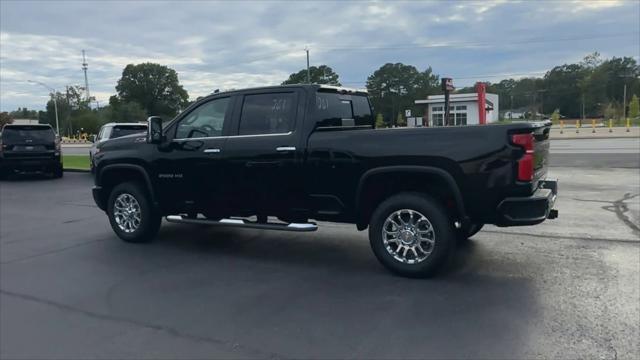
569,288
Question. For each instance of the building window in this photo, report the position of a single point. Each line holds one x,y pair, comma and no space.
437,119
461,107
437,108
461,118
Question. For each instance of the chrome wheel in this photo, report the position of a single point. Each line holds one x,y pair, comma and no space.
408,236
127,213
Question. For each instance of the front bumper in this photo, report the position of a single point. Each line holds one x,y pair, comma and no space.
98,198
530,210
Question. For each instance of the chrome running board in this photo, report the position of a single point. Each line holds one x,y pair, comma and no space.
299,227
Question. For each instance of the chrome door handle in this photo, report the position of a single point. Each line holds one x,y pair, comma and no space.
211,150
286,148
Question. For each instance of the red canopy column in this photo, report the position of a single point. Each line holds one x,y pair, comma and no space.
481,89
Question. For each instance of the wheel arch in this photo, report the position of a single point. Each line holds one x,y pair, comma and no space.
113,174
379,183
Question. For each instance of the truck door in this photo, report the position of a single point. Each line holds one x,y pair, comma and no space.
264,152
191,168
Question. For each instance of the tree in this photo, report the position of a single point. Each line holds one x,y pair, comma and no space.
380,121
5,118
123,112
634,108
395,87
24,113
322,74
400,120
155,87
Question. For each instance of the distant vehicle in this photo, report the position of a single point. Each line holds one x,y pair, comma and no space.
113,131
303,152
30,148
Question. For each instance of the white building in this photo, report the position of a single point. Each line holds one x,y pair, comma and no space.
465,109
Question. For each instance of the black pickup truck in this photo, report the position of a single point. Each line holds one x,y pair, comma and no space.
275,157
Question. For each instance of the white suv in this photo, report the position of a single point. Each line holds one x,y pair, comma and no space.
112,131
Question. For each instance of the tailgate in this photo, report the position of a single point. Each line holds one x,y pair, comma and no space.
541,150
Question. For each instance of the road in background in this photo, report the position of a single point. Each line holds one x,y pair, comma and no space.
596,153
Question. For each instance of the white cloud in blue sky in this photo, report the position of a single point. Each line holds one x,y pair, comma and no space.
240,44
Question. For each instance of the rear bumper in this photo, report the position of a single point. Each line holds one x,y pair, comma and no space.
530,210
31,163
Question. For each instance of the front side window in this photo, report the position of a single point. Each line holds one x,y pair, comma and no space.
206,120
267,114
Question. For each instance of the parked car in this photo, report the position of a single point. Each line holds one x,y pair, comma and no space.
311,152
30,148
113,131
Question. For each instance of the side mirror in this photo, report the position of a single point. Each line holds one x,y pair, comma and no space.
92,138
154,130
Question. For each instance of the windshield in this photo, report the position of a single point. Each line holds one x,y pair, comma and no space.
35,134
120,131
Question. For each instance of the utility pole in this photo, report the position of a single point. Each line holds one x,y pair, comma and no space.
542,101
624,102
308,72
624,95
85,67
582,108
511,107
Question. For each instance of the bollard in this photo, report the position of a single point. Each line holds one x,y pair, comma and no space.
628,124
593,126
561,126
577,126
610,130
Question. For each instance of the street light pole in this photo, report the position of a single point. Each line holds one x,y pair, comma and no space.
55,102
308,72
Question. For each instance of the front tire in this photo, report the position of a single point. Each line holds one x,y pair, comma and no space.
411,235
131,214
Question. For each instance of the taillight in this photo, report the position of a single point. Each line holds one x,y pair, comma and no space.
57,144
526,162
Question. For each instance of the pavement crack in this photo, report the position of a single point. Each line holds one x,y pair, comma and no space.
51,252
618,207
233,346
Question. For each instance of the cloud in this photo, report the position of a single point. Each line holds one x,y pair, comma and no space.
222,45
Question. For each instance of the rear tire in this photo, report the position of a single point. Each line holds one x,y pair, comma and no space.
131,214
425,230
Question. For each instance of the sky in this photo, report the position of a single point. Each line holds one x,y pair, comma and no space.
223,45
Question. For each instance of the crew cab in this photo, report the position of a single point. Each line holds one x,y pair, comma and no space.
32,148
293,153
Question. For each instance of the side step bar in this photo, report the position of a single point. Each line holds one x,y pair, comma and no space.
299,227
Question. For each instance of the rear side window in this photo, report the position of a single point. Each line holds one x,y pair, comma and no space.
267,114
336,110
119,131
36,134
